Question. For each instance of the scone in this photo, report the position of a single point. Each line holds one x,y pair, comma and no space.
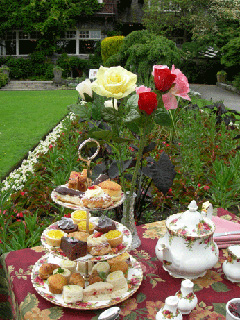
112,188
76,278
80,235
46,270
56,283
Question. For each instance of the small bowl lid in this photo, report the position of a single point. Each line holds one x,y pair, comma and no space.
234,251
190,223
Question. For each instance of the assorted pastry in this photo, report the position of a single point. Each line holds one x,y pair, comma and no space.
102,194
107,279
103,237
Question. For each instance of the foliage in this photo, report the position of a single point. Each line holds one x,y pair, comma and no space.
110,46
230,54
49,18
141,50
236,81
3,79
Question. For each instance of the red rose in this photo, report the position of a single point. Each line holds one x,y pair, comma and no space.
163,79
147,102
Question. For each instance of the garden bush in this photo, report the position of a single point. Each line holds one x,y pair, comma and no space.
3,79
230,57
141,50
110,46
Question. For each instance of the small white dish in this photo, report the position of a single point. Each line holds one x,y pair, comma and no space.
231,266
233,302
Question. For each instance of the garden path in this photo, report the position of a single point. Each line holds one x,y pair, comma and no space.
231,100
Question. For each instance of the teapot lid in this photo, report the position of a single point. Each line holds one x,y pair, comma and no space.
190,223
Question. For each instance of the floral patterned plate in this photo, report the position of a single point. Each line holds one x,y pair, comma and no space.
127,240
135,276
77,207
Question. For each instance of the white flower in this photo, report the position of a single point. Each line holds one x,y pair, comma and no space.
18,177
109,104
84,87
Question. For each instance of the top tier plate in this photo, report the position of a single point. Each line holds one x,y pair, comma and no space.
77,207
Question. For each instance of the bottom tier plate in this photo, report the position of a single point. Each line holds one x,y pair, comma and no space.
135,276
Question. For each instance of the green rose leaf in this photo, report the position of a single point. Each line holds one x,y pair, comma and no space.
133,101
105,135
141,297
108,115
162,118
220,287
83,111
220,308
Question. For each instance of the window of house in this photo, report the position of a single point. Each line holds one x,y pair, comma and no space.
8,44
27,42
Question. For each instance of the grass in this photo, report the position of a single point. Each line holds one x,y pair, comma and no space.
26,116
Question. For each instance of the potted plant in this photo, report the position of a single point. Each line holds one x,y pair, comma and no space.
221,76
57,72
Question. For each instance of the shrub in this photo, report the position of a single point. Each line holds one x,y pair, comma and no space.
113,61
3,79
141,50
236,81
110,46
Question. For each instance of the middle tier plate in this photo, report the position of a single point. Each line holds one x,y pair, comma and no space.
127,240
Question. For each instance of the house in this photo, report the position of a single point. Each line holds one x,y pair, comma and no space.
81,40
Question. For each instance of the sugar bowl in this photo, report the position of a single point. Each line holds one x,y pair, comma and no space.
231,266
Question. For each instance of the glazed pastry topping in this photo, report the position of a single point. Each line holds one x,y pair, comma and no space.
104,222
68,191
66,224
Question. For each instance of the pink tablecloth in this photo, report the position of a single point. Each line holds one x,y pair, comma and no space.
213,290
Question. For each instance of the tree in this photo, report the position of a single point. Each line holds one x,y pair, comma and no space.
48,17
203,20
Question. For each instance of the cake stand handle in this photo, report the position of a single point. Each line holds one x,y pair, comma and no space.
88,159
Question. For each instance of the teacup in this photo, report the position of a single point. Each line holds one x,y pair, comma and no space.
231,307
231,267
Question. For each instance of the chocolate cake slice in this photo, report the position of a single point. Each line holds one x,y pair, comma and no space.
73,248
65,194
105,224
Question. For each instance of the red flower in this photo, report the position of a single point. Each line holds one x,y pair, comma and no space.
147,102
163,78
22,193
206,187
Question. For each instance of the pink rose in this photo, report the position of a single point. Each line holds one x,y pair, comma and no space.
142,89
180,89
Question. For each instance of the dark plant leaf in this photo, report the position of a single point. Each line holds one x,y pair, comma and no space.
150,147
113,171
162,118
97,170
109,115
106,135
162,172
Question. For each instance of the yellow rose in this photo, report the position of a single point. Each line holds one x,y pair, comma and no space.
114,82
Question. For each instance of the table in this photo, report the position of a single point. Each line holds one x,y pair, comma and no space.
213,290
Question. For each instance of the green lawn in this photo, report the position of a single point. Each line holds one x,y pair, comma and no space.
25,117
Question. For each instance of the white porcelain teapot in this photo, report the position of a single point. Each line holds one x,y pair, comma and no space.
187,249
